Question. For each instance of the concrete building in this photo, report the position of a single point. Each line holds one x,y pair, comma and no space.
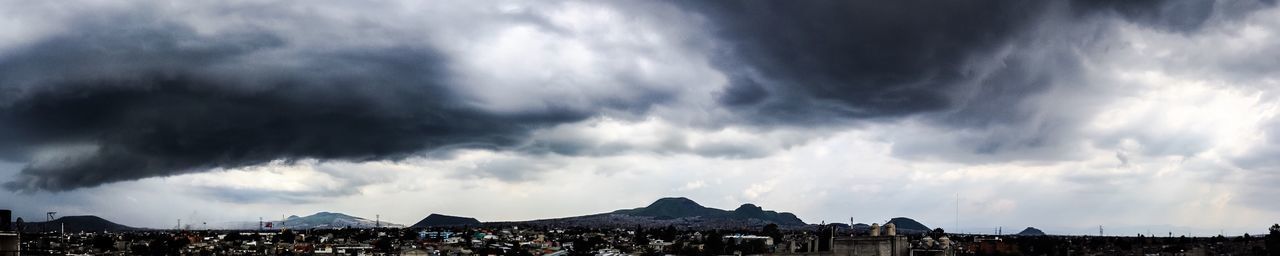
10,244
874,245
863,245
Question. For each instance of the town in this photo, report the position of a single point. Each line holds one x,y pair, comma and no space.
518,240
450,235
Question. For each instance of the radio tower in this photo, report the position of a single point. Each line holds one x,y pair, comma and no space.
1099,230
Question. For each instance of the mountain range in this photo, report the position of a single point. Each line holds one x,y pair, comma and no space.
672,211
679,211
323,220
679,207
84,223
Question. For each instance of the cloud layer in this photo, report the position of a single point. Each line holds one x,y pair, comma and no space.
1097,102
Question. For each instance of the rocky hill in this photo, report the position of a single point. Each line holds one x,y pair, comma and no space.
680,212
1031,231
440,220
908,225
85,223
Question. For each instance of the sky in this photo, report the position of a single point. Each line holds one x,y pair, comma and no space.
1140,116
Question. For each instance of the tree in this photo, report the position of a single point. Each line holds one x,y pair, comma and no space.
641,239
104,243
713,243
772,231
287,236
1273,241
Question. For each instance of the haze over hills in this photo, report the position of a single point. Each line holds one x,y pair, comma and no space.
322,220
83,223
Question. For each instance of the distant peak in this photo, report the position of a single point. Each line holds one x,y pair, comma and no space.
81,217
445,220
1031,231
749,208
904,223
674,201
329,214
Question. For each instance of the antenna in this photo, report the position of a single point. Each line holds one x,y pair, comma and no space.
50,215
1100,230
377,223
179,225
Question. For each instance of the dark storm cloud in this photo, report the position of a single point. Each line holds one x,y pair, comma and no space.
810,62
112,99
984,70
855,59
124,101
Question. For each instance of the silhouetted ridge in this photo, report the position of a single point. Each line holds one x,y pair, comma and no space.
908,224
441,220
749,209
679,207
85,223
672,207
1031,231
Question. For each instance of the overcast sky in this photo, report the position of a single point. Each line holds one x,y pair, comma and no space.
1142,116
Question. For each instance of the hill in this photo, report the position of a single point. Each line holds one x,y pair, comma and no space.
84,223
751,211
323,220
908,225
673,207
680,212
1031,231
440,220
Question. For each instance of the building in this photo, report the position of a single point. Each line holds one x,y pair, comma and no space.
889,244
10,243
